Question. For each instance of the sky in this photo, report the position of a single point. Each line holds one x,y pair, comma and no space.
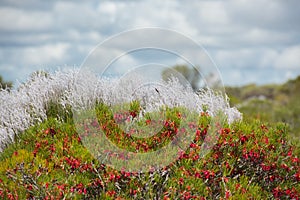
255,41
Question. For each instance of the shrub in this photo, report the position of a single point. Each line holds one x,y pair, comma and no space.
249,161
48,158
74,89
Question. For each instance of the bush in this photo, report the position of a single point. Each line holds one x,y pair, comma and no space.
249,161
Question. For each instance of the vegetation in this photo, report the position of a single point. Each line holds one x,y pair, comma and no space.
185,74
270,103
250,159
5,84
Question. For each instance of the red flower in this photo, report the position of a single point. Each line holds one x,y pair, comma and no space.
272,178
111,193
243,139
264,127
166,197
295,160
180,182
52,148
276,192
225,179
60,187
265,167
285,167
207,174
34,153
227,165
10,196
127,174
52,132
193,145
132,192
198,133
266,140
37,145
196,157
197,175
290,152
227,194
112,177
297,176
225,130
29,187
179,115
73,162
133,114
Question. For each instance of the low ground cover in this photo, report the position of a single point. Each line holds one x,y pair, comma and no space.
249,160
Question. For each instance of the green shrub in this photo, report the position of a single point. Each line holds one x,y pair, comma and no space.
250,160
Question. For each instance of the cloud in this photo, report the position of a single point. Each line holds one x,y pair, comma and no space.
18,63
45,54
29,5
76,15
208,17
108,8
37,55
266,14
289,58
15,20
247,38
237,58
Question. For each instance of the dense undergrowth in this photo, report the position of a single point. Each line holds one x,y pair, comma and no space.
47,154
249,161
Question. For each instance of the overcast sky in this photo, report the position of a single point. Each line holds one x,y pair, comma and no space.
254,41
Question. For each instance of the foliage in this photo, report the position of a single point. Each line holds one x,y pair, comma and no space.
249,161
185,74
271,103
74,90
5,84
47,157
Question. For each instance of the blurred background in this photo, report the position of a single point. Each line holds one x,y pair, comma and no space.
250,41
